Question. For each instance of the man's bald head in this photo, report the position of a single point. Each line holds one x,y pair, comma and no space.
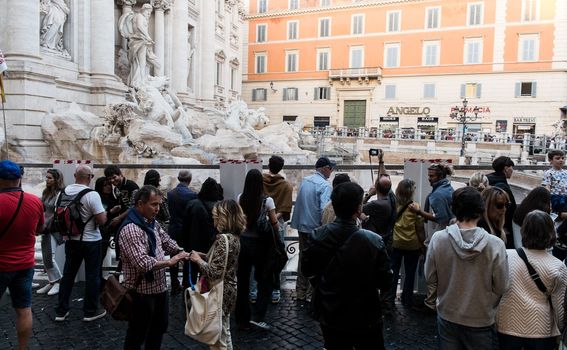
383,185
83,174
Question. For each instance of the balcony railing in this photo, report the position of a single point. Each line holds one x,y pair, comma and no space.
364,73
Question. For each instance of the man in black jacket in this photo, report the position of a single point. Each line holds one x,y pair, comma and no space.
503,167
347,267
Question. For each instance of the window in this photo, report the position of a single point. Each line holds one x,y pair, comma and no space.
262,6
393,21
526,89
428,90
474,14
530,10
392,55
259,94
323,59
357,24
322,93
290,94
218,74
324,27
473,51
233,78
325,2
356,57
528,48
321,122
432,17
289,118
471,90
291,58
390,92
261,63
293,4
261,30
430,53
292,32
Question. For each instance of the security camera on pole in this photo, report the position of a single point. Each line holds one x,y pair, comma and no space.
462,116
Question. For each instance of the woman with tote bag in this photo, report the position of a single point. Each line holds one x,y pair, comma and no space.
219,264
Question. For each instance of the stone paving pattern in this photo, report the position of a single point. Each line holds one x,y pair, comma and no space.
292,327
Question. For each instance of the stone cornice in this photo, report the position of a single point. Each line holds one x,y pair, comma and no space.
354,5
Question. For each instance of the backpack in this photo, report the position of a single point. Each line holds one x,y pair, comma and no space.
67,218
264,228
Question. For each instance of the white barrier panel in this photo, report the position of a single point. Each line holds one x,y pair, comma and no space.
233,173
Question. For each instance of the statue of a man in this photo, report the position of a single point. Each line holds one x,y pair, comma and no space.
51,33
134,26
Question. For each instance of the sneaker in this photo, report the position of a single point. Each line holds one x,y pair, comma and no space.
276,296
61,318
54,290
99,314
262,325
44,289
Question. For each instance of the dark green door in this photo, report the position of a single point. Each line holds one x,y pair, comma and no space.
355,113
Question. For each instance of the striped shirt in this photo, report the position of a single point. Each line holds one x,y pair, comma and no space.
135,249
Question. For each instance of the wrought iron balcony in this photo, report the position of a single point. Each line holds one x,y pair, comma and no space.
364,74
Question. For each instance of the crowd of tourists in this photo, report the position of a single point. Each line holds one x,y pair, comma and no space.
494,271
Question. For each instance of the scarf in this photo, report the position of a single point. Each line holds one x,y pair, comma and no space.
135,218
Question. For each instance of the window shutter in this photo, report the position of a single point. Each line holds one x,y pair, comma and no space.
534,88
478,90
328,95
253,94
316,94
265,94
518,90
463,90
285,94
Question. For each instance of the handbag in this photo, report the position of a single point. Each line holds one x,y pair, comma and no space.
204,318
116,299
277,256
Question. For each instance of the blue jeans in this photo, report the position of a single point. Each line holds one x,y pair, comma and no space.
510,342
20,285
454,336
411,258
76,252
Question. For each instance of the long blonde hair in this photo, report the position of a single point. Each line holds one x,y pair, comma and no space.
496,224
229,217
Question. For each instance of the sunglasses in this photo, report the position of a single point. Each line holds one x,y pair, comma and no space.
502,205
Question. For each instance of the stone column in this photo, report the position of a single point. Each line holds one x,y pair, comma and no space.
126,7
179,49
19,25
168,43
207,56
102,39
159,34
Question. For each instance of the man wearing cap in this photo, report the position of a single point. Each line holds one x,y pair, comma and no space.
314,194
21,218
85,247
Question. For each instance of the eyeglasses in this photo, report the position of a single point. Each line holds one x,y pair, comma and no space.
502,205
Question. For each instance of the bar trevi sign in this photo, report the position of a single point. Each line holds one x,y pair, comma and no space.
409,110
524,120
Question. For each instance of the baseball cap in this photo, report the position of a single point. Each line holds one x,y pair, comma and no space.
324,161
9,170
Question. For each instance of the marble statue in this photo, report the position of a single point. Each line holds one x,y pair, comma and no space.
55,14
134,27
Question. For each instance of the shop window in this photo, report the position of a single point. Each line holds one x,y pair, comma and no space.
259,94
321,122
526,89
290,94
322,93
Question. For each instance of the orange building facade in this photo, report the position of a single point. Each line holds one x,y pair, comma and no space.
401,66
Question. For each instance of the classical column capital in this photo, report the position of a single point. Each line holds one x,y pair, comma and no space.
163,5
126,2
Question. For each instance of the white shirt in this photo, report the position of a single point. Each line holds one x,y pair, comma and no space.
92,205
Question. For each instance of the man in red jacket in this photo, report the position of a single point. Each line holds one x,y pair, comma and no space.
21,218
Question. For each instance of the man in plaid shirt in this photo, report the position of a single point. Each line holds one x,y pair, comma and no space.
144,245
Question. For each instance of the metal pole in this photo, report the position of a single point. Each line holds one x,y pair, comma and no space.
463,136
5,133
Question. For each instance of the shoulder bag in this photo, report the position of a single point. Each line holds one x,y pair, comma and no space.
116,299
204,310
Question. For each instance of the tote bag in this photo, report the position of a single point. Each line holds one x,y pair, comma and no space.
204,319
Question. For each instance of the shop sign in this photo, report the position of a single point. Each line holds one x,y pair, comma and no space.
471,109
409,110
524,120
501,125
427,119
390,119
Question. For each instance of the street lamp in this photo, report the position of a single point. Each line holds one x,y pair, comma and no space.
460,115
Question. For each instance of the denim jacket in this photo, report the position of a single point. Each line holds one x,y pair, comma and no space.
439,200
314,194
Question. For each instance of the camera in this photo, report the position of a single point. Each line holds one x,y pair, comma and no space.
374,151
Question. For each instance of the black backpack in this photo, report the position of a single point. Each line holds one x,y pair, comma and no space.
67,218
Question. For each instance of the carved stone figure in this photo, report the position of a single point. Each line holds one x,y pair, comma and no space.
134,27
55,14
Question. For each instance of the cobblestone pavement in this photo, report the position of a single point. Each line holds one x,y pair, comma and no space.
292,328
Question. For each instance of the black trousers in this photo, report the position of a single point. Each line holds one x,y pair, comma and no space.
148,322
369,339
